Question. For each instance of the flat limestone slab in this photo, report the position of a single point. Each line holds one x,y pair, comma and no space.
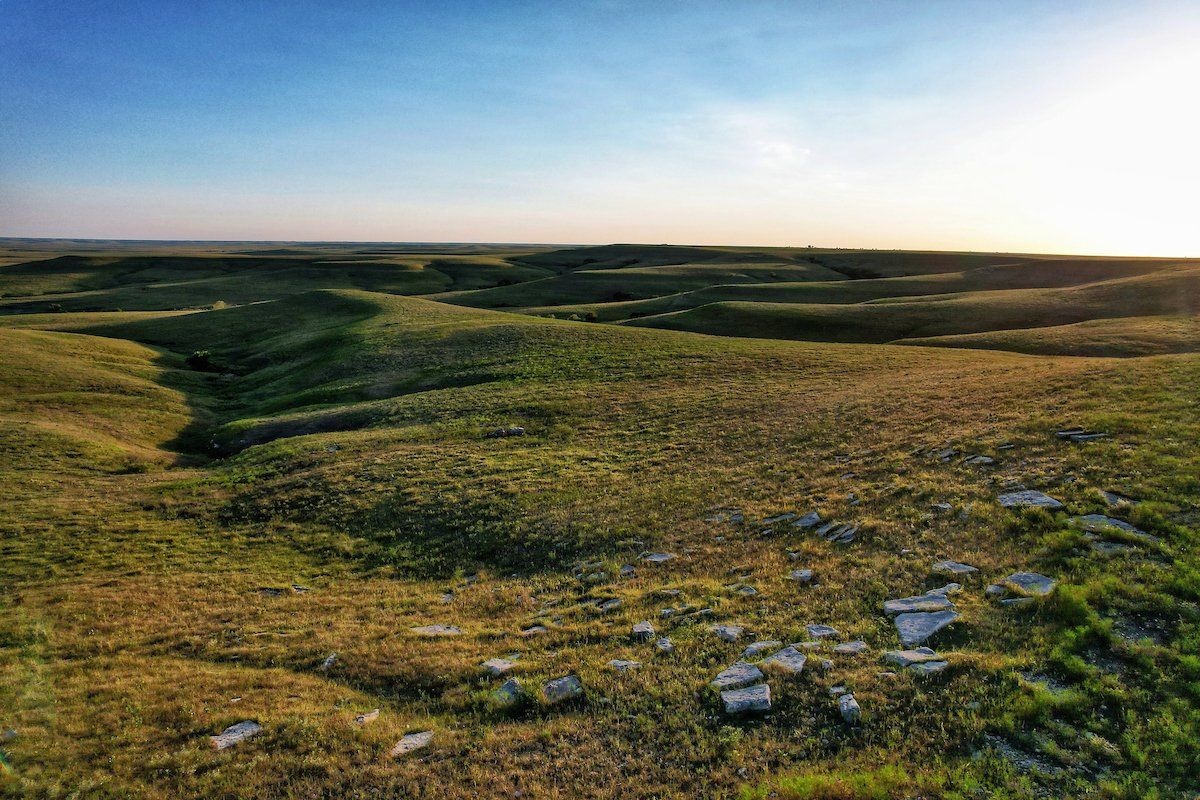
916,628
788,661
497,666
1030,498
411,742
735,677
924,602
953,568
370,716
752,699
820,631
437,630
907,658
1031,583
728,633
809,520
760,647
235,734
560,689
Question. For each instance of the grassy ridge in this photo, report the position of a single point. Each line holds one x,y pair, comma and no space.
1169,292
1128,336
1049,273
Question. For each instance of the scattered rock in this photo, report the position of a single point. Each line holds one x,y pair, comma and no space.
849,708
788,661
411,742
1079,435
628,571
924,602
1100,524
497,666
643,631
438,630
728,633
826,665
752,699
733,516
1028,498
235,734
610,604
657,558
837,534
664,645
929,667
534,630
979,461
851,648
1031,583
1116,499
953,568
803,577
370,716
908,658
915,628
328,663
995,591
760,647
621,665
508,693
560,689
500,433
809,520
948,589
820,631
739,675
775,520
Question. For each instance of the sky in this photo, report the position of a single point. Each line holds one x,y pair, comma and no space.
1016,126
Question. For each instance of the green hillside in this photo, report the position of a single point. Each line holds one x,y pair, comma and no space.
200,508
1168,292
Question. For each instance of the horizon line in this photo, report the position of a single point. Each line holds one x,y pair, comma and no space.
430,243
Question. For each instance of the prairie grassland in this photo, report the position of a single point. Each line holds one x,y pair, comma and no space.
156,517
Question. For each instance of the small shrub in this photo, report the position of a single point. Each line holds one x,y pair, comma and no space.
200,360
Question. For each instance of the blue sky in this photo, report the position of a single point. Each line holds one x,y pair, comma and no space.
1019,126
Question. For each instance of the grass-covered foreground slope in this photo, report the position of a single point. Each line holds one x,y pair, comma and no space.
157,516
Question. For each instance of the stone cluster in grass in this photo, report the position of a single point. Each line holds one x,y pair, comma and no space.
744,687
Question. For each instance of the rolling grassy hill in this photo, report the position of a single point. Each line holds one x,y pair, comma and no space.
1168,292
185,541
